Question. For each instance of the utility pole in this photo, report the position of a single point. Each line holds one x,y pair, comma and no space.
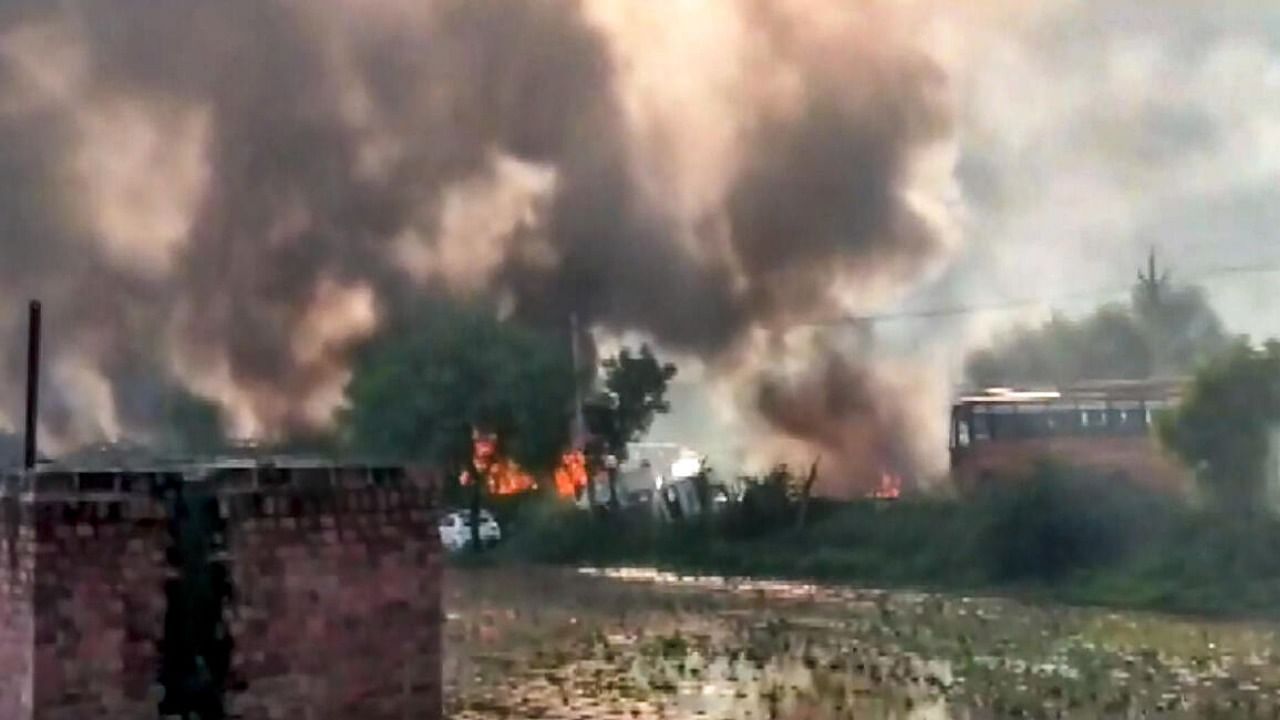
578,431
1153,321
1152,280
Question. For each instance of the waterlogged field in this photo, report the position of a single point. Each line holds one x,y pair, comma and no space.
537,643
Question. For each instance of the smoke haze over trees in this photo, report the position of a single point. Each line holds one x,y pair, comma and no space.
1165,330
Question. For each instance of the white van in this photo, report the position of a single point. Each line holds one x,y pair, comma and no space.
455,529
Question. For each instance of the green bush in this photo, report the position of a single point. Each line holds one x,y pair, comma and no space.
765,507
544,530
1060,520
1074,536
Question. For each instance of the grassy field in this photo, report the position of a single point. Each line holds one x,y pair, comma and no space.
548,643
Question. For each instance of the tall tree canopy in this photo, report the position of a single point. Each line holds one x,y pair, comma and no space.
1164,329
422,388
635,390
1224,426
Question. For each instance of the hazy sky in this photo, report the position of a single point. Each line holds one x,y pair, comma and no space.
1092,131
229,196
1088,133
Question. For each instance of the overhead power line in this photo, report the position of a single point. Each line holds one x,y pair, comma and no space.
1096,294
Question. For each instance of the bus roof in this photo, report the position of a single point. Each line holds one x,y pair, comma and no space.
1166,389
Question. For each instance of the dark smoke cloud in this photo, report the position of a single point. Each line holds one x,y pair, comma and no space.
286,206
857,420
333,132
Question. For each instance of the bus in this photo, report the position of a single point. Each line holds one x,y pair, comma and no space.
1105,426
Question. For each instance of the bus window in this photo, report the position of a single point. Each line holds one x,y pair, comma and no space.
1063,421
1126,419
981,425
1093,419
1035,420
1004,422
961,420
1028,421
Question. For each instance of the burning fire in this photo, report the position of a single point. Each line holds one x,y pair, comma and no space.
506,477
571,476
890,487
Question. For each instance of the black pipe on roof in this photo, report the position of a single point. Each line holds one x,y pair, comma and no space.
33,386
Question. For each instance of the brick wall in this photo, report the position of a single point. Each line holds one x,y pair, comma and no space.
17,560
86,564
336,613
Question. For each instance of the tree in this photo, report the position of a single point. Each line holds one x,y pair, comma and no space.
194,423
1178,326
1223,426
635,391
805,492
426,386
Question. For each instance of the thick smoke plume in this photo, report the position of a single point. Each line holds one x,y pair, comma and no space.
862,422
224,197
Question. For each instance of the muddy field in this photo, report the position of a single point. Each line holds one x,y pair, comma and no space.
638,644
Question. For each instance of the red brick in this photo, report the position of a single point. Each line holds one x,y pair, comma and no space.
338,614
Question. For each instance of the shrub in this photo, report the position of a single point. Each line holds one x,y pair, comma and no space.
1060,520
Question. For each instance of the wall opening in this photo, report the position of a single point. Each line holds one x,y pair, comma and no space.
195,650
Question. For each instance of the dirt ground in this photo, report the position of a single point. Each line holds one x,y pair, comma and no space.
543,643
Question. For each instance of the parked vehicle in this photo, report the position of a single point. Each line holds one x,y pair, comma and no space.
455,529
1102,425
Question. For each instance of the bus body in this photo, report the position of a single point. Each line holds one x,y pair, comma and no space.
1107,427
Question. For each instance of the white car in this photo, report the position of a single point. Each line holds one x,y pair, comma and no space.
455,529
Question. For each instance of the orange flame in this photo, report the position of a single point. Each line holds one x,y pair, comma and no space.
571,477
890,487
505,476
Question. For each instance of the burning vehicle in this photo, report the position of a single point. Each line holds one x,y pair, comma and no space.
663,477
504,476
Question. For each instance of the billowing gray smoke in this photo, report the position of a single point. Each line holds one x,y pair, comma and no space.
862,424
225,196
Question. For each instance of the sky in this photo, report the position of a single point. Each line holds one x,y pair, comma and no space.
1096,131
1087,135
228,198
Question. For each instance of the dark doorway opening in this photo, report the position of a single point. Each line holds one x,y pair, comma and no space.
195,651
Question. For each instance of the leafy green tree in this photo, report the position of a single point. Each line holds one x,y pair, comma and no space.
635,391
1223,426
424,387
